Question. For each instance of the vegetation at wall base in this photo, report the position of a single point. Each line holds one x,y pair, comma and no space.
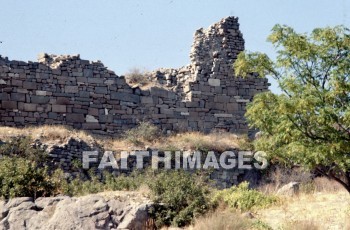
242,198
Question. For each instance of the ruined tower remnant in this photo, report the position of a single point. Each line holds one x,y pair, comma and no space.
66,90
215,49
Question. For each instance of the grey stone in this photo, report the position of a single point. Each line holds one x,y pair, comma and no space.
88,73
18,97
29,107
214,82
125,97
62,101
146,100
39,99
71,89
9,104
289,189
90,118
29,85
41,93
59,108
129,211
101,90
75,117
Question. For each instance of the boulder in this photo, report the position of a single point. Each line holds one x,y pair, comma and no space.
289,189
109,210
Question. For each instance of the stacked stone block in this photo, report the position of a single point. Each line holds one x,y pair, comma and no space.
67,90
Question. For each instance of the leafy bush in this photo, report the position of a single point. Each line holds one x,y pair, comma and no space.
145,131
260,225
131,182
243,198
23,170
21,177
178,198
23,147
107,182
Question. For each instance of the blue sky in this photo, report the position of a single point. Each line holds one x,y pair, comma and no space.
148,34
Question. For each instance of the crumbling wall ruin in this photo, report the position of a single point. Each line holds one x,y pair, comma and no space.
67,90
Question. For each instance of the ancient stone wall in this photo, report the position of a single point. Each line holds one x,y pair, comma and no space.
66,90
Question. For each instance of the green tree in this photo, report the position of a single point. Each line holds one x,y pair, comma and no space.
309,123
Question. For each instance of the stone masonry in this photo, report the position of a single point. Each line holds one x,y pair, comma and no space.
66,90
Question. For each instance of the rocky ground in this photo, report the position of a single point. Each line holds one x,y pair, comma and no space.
109,210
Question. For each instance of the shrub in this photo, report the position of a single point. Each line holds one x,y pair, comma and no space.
178,198
23,147
260,225
131,182
21,177
242,198
145,131
136,76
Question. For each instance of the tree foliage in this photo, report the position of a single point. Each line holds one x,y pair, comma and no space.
309,123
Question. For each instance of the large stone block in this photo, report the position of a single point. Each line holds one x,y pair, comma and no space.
39,99
91,125
146,100
91,119
71,89
93,111
125,97
192,104
101,90
232,107
62,101
59,108
159,92
225,115
222,99
41,93
4,96
19,120
79,110
29,85
18,97
75,117
214,82
15,82
88,73
95,80
9,104
29,107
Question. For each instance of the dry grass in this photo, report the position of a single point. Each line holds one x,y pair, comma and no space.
323,184
301,225
221,220
184,141
137,77
280,176
313,211
199,141
45,133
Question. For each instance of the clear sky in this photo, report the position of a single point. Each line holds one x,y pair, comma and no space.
148,33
